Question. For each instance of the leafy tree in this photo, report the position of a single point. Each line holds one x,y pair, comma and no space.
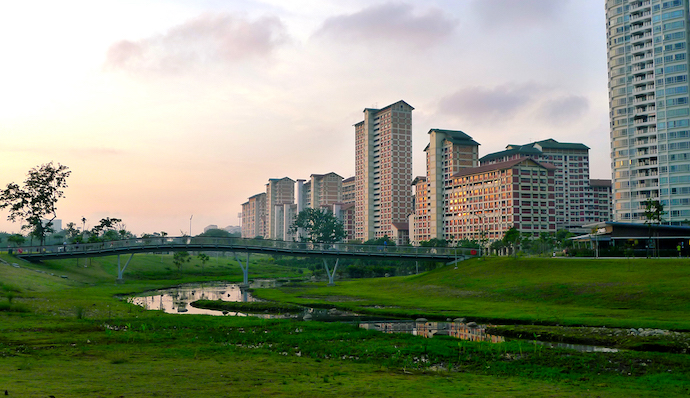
545,241
71,232
204,259
496,246
563,238
216,233
179,258
320,226
435,242
36,200
653,213
16,239
512,239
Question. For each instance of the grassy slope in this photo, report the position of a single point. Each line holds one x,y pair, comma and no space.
623,293
64,346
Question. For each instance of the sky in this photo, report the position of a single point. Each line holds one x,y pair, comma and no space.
166,111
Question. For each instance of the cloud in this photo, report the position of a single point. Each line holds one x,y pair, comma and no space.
564,109
481,104
390,22
207,39
513,13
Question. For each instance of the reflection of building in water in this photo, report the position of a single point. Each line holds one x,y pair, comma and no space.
422,327
473,332
389,327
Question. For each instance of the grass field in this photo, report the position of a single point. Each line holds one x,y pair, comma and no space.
71,337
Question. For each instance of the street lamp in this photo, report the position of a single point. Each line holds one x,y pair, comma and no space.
190,225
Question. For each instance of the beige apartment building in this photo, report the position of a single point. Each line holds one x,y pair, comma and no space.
279,191
485,201
574,193
383,170
448,152
349,190
324,189
254,216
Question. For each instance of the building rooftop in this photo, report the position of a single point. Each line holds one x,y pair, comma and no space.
388,106
418,180
456,137
534,148
500,166
401,226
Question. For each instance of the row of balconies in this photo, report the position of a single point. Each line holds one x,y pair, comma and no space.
647,37
642,131
644,109
645,25
639,5
647,55
642,15
641,47
644,88
643,78
643,66
645,120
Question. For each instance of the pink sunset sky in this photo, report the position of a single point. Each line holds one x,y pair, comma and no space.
167,109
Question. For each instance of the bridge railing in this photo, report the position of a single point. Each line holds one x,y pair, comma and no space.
158,244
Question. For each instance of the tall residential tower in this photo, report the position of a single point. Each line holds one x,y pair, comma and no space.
383,170
649,111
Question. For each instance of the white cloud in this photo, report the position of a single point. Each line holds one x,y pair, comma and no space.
390,22
479,104
208,39
519,13
565,109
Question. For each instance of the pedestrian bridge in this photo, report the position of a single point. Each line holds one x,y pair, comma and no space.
296,249
240,245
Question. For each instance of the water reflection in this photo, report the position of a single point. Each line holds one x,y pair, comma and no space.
176,300
422,327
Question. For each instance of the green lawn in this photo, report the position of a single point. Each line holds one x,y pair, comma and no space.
73,337
620,293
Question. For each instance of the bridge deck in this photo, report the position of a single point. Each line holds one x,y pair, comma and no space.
297,249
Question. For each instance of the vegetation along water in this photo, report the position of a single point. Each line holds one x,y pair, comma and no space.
66,332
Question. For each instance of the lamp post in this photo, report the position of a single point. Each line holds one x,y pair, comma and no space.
190,225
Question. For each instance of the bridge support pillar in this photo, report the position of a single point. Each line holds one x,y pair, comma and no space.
328,271
245,269
121,270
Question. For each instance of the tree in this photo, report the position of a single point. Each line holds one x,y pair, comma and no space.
512,239
203,257
653,213
36,200
434,242
563,238
180,258
16,239
320,226
71,232
216,233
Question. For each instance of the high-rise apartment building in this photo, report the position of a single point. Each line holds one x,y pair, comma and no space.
254,216
448,152
383,170
647,44
279,191
325,189
349,190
